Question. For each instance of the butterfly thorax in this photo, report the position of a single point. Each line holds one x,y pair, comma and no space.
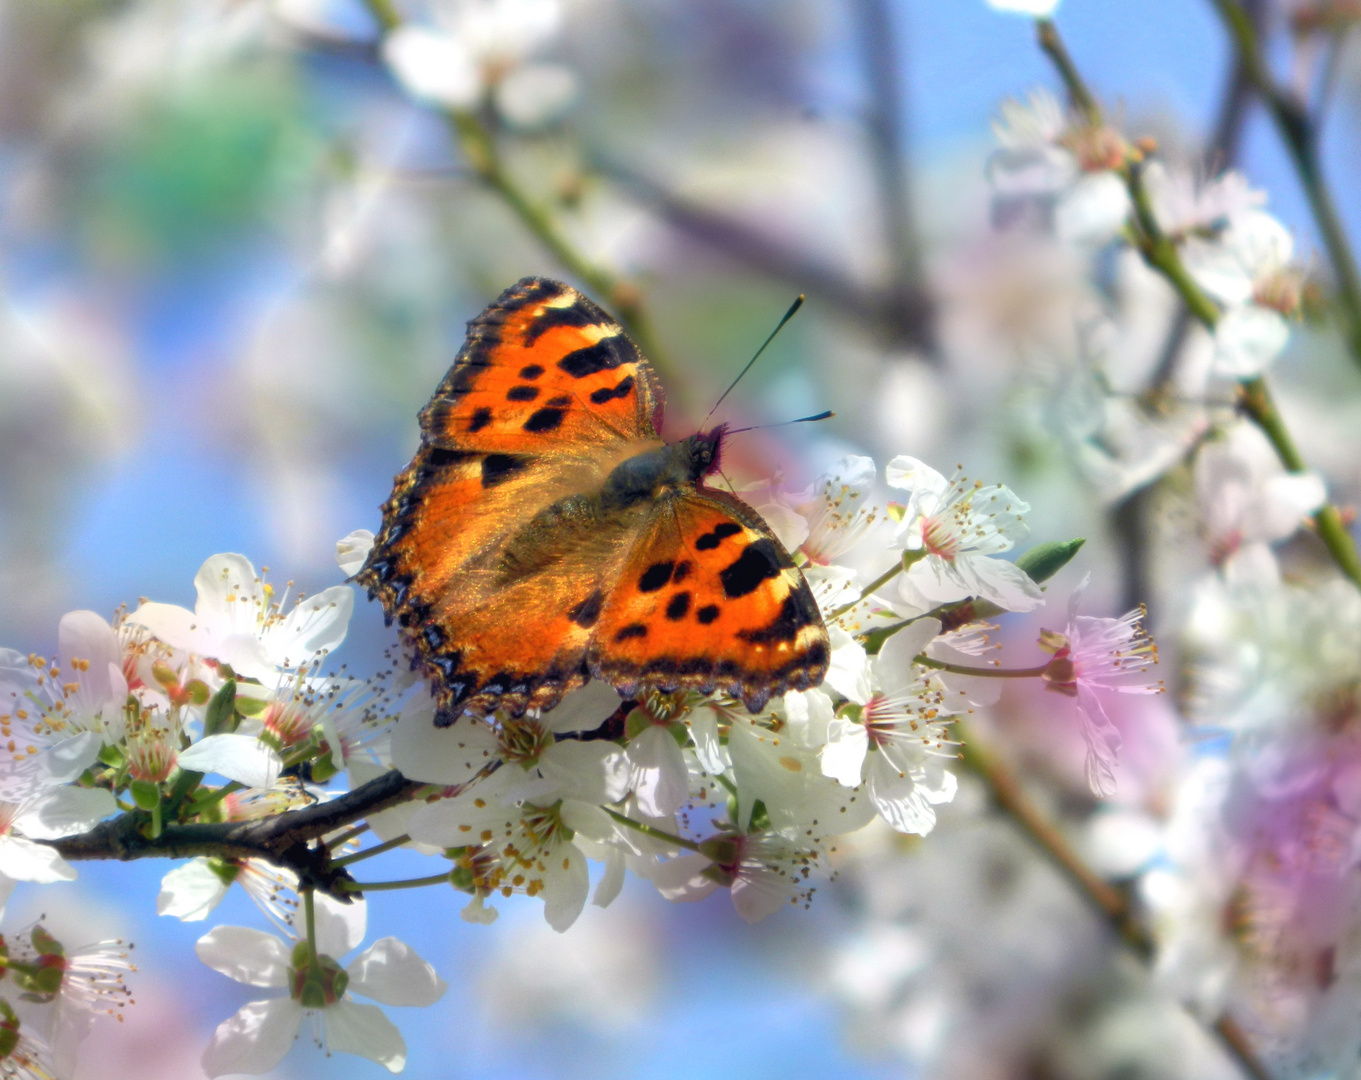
656,473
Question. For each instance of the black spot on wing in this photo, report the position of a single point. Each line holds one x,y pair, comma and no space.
531,371
682,571
587,612
721,531
480,419
678,607
498,468
543,420
522,393
758,562
562,401
552,317
707,614
609,393
437,457
655,576
633,630
605,355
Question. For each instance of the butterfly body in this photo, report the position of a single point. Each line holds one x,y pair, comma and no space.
544,534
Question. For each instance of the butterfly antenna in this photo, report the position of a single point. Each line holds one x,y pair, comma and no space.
787,316
785,423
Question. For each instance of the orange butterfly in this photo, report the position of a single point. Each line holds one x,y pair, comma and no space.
544,534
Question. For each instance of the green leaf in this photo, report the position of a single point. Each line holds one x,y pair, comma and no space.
1043,561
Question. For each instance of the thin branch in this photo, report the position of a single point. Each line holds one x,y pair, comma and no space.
479,147
748,245
1299,131
886,122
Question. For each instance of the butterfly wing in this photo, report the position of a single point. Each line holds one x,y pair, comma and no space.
545,397
707,599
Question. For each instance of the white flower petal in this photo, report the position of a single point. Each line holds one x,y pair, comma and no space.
433,67
340,927
255,1039
315,626
23,860
844,755
83,635
897,797
175,626
65,811
242,758
66,760
449,756
849,671
713,757
1002,582
658,775
594,772
247,955
390,971
607,889
1247,340
1093,210
790,528
364,1030
534,94
352,551
584,709
758,892
564,894
190,891
682,879
914,475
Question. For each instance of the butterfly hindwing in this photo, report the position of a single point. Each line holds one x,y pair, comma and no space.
708,598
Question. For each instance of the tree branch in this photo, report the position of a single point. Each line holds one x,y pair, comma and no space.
282,839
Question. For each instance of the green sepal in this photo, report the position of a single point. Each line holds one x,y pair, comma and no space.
145,793
323,768
9,1030
224,870
760,817
852,712
111,756
1043,561
220,718
45,943
719,849
250,706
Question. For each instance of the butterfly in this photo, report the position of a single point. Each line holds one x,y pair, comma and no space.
544,534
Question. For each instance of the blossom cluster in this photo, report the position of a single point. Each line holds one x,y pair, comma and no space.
224,714
1240,840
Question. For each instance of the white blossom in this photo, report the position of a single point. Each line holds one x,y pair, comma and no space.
956,528
261,1033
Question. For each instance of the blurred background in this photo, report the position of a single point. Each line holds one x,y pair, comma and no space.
236,258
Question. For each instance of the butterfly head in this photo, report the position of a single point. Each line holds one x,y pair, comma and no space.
705,449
